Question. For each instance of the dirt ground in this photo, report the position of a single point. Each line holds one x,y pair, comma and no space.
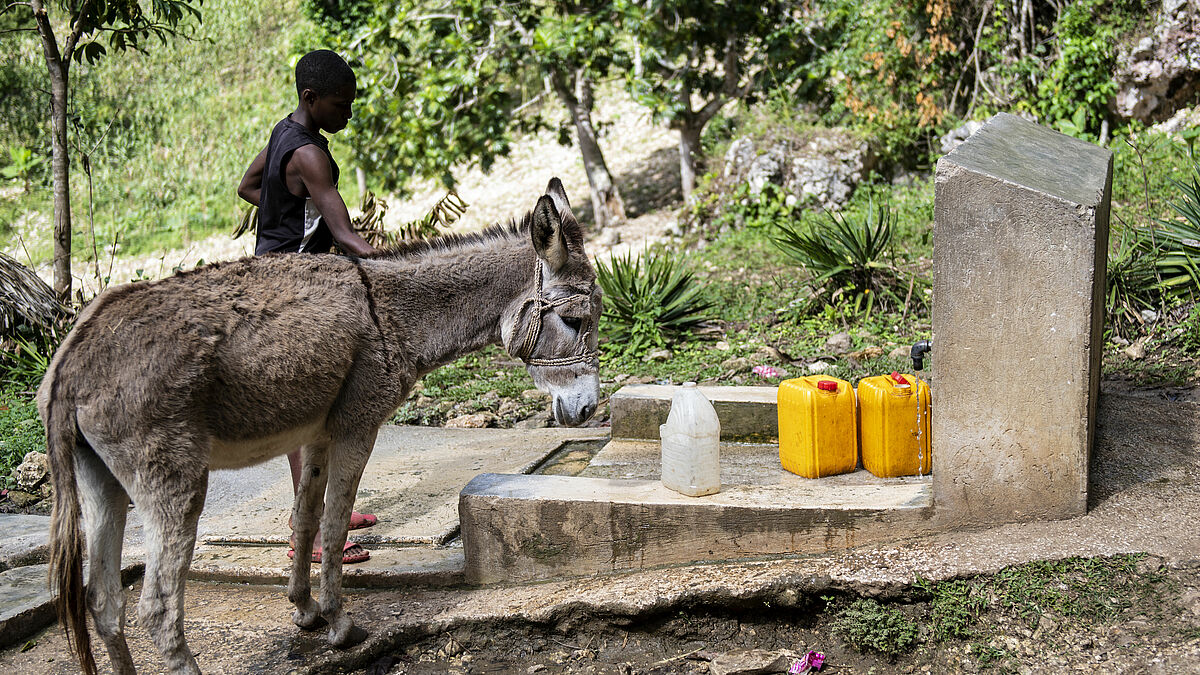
1156,631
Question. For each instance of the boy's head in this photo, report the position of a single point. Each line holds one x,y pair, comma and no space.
325,85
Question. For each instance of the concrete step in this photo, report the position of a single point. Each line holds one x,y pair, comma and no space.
617,516
389,567
746,413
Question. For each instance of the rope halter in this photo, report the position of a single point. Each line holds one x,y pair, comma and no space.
523,349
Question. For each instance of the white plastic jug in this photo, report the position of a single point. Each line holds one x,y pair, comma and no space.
691,444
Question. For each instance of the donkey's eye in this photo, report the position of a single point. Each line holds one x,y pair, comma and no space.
573,323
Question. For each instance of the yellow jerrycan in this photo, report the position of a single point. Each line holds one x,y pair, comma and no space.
818,434
894,421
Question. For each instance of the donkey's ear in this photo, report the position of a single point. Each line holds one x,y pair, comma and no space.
556,192
547,233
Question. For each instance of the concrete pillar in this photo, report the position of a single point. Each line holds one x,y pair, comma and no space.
1019,254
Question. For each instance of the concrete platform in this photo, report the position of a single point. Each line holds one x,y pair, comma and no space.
617,515
411,483
746,413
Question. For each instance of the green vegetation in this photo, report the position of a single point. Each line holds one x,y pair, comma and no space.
868,625
649,299
20,430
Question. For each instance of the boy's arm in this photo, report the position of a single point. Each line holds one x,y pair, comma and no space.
250,188
318,179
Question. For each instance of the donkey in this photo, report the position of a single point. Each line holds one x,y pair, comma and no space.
232,364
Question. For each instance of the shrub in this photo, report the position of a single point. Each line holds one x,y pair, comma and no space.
20,431
847,258
649,300
1132,282
868,625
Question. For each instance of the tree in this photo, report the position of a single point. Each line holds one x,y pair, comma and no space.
695,56
87,25
451,82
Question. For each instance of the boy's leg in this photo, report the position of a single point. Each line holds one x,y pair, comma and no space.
353,552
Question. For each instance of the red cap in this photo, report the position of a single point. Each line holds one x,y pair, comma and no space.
827,385
899,378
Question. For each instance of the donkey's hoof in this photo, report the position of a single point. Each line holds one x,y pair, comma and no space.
353,636
307,621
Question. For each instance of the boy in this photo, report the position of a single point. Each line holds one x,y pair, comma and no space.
293,182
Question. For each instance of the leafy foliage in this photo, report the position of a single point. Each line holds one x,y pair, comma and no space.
1079,84
21,430
446,84
868,625
649,300
848,257
1132,280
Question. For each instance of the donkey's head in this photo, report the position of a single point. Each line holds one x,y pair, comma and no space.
553,329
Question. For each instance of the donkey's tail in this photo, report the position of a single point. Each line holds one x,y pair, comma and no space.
66,540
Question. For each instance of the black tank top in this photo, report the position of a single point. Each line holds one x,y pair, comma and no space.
288,223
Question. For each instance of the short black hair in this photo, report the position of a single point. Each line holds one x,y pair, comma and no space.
323,71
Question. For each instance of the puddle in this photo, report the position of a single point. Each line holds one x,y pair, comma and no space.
570,459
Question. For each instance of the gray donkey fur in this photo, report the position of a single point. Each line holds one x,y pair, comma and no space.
235,363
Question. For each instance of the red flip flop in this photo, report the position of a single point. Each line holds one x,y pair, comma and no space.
347,558
360,520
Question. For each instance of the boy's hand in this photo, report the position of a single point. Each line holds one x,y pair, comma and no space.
317,176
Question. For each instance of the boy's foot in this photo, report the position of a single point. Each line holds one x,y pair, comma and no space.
351,553
361,520
357,520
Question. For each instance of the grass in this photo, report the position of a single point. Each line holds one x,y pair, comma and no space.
20,430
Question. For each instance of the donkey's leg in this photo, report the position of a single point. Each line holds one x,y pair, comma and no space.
105,505
306,514
170,498
348,458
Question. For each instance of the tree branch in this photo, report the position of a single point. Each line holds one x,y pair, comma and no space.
76,30
16,4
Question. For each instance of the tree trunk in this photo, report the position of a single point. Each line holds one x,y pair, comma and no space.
689,146
607,206
60,161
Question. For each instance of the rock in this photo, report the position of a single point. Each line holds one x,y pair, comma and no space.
535,668
722,345
838,343
508,407
32,471
1120,341
769,353
535,395
540,420
818,367
867,353
641,379
822,169
46,490
1149,316
956,137
736,364
749,662
1159,73
900,352
658,355
1137,350
479,420
21,499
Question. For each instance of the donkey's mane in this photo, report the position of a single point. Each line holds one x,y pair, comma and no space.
447,242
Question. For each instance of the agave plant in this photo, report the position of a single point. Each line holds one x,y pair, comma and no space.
649,300
1132,282
1179,263
846,256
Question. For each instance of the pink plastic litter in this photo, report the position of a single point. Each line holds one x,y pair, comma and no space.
767,371
810,661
